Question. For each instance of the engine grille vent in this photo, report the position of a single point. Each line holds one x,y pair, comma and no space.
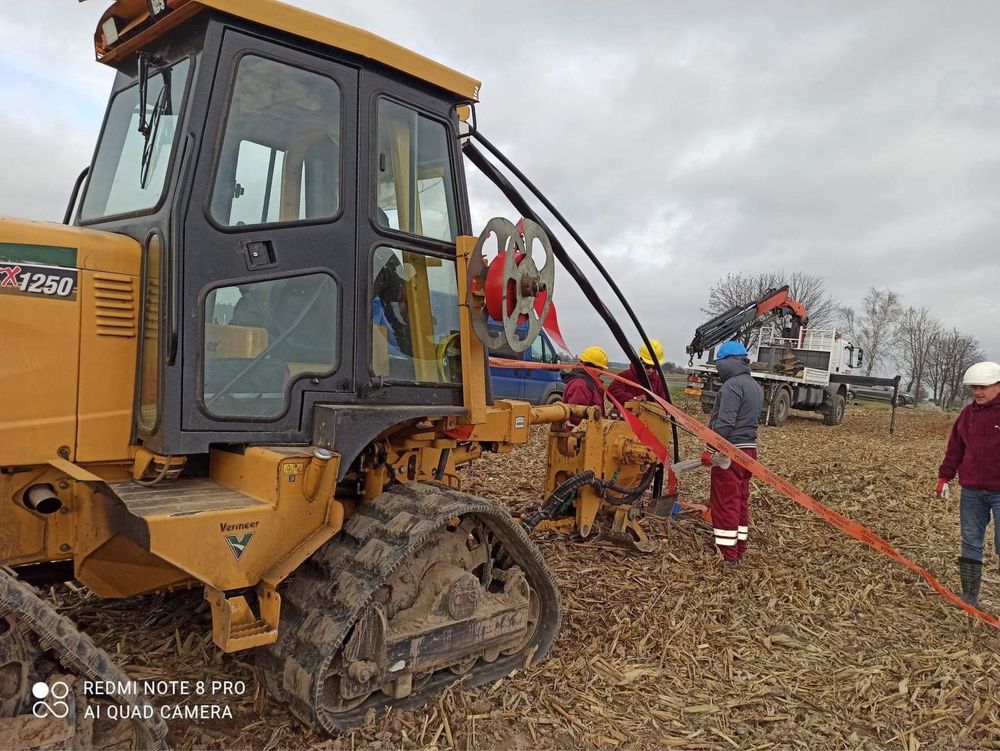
114,301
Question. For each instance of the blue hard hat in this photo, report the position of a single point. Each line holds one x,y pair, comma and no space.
730,349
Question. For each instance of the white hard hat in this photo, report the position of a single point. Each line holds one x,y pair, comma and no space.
982,374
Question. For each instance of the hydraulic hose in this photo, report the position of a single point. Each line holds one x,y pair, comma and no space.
629,495
519,203
560,498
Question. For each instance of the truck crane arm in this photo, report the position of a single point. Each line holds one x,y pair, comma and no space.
737,321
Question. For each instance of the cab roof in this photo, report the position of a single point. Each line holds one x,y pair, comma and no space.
135,29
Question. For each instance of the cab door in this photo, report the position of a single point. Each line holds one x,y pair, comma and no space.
269,243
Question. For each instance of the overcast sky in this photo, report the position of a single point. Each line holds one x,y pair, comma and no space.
856,141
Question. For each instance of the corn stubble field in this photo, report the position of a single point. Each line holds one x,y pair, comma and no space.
815,642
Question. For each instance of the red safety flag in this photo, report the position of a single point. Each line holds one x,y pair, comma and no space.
551,324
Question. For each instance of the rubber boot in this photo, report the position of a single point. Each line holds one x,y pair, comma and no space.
971,572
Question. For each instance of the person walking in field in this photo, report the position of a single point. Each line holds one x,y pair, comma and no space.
581,388
651,362
734,417
973,454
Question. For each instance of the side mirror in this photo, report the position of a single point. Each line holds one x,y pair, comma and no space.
861,357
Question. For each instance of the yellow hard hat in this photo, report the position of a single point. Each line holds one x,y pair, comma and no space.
657,350
594,356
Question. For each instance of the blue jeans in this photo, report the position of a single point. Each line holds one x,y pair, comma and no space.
974,513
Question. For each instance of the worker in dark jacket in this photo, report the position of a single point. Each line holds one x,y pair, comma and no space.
651,362
974,454
734,417
581,388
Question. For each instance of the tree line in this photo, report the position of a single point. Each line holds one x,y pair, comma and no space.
931,357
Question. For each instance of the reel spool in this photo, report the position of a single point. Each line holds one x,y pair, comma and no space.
510,289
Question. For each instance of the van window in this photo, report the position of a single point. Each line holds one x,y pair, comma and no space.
541,350
502,350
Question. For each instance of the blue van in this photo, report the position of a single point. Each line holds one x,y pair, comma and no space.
535,386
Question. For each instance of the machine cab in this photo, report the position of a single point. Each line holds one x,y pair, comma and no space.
297,190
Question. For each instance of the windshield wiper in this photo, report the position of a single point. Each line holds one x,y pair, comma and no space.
163,106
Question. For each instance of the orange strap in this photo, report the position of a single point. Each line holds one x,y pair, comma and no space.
846,525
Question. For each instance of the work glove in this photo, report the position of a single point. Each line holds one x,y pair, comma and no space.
706,457
942,489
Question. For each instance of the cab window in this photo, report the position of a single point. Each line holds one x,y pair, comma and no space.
415,318
149,362
263,336
130,167
280,155
414,190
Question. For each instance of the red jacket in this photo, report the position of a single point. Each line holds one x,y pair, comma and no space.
974,447
581,389
623,392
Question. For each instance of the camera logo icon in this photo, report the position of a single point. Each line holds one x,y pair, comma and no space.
51,700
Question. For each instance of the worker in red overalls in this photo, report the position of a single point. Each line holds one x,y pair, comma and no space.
734,417
651,362
581,388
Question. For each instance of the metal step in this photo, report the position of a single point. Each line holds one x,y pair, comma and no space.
180,497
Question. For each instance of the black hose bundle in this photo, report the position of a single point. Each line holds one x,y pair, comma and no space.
630,495
560,500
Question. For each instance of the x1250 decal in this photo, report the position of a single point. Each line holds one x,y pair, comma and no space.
54,282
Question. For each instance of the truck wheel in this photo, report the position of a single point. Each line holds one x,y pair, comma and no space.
836,414
780,407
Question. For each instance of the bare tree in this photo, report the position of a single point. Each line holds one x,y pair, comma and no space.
937,366
735,290
950,356
810,290
847,319
916,335
874,328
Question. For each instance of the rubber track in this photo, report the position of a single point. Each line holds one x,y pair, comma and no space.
76,651
331,590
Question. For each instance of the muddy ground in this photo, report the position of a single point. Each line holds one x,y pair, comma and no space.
816,642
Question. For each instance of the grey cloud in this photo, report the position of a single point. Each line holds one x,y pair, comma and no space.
684,140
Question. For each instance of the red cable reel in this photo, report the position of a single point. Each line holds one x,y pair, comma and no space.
510,289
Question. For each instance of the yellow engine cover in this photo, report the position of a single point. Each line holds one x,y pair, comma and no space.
68,322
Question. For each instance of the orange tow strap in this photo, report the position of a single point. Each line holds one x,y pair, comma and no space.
846,525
